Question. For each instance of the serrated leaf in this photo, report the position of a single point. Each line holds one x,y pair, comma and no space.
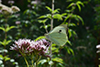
40,37
57,59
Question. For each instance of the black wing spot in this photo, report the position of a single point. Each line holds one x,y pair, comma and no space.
60,31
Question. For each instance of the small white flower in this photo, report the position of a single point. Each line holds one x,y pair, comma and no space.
98,46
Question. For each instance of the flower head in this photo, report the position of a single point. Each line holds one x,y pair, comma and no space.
15,9
28,46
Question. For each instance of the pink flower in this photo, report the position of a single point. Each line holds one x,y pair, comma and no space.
28,46
17,22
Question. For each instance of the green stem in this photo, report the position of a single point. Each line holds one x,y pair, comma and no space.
32,60
26,61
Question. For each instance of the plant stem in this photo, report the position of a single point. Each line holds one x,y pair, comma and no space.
52,14
51,28
26,61
5,38
32,60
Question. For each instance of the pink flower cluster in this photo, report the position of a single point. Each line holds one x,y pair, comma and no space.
27,46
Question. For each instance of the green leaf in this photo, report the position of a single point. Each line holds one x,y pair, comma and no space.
54,49
70,24
40,37
6,58
56,11
68,16
57,16
69,42
69,50
1,57
2,28
45,16
79,7
61,65
63,14
80,19
9,28
49,8
42,61
57,59
5,42
42,21
79,3
70,5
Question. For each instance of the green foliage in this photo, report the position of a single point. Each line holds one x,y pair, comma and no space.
5,42
40,37
35,19
7,28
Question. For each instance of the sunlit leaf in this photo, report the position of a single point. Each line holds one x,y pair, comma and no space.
42,61
54,49
45,16
2,28
57,59
79,2
40,37
58,16
6,58
49,8
42,21
56,11
5,42
1,57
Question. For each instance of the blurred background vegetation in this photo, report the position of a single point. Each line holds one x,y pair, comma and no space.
83,44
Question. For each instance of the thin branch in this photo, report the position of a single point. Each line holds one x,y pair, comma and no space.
51,28
52,14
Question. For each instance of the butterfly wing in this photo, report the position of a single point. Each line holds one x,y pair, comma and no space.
58,38
58,35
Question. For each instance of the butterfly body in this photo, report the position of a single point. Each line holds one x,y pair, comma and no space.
58,35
